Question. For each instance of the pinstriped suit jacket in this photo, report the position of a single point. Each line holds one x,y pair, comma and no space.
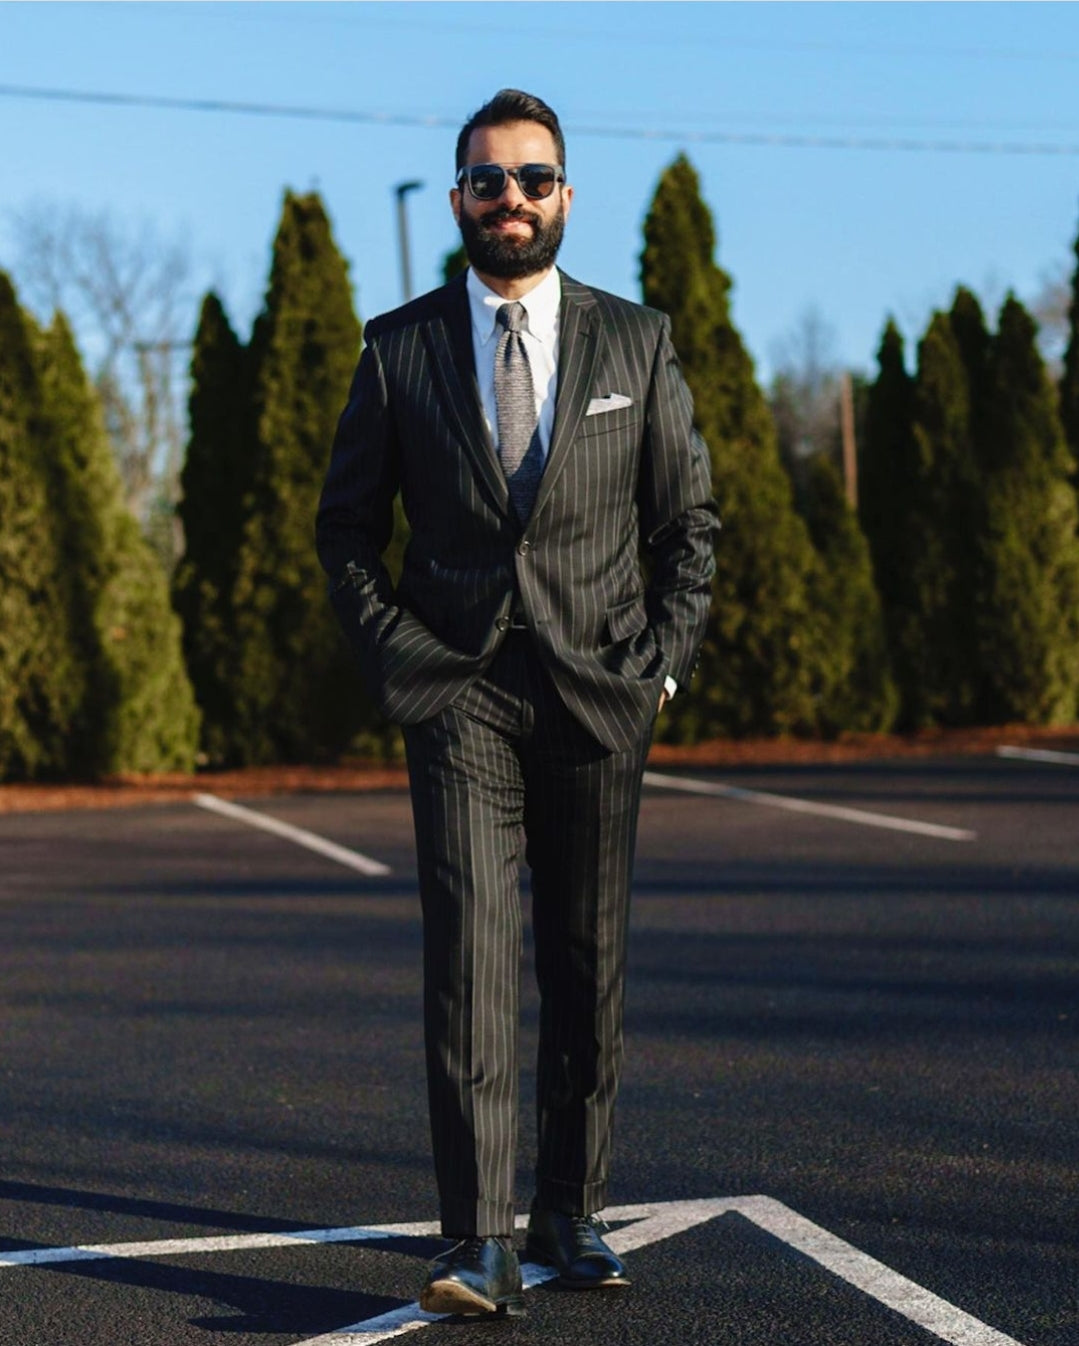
618,484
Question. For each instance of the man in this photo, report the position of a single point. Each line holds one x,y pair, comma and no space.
540,435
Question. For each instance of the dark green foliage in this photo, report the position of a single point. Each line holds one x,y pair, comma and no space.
861,695
91,676
894,519
41,683
216,480
295,691
454,262
972,521
1028,579
948,405
765,664
1069,382
136,711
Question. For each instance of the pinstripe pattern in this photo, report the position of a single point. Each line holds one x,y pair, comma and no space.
546,730
632,477
508,754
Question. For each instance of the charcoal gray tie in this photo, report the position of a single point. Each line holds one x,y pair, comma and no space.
519,445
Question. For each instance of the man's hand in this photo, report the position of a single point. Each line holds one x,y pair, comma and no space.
663,699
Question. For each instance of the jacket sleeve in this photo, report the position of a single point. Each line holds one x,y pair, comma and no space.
355,514
678,516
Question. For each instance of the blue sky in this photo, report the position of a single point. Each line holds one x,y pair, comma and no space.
858,232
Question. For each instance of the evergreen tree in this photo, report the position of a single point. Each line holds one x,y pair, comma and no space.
215,483
764,663
944,528
296,694
454,262
40,680
892,510
1069,382
861,695
1027,591
135,710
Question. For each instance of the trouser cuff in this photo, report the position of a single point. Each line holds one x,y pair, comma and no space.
465,1217
571,1198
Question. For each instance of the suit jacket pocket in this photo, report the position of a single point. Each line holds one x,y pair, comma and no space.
607,422
625,620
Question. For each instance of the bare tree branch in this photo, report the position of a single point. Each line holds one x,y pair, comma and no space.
124,290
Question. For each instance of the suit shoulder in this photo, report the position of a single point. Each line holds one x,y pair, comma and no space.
416,312
622,312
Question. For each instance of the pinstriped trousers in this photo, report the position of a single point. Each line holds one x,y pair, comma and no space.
507,755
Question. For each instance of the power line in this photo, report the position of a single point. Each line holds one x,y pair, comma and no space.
762,139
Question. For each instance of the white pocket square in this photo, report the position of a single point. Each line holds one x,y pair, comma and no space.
611,402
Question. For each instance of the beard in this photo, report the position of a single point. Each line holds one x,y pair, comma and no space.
511,258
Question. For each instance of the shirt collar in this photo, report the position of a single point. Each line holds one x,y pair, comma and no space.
541,304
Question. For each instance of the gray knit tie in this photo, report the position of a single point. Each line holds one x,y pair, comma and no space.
519,445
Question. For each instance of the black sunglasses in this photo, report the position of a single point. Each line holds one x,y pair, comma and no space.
487,182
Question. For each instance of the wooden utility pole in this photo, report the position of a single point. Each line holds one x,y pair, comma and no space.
850,457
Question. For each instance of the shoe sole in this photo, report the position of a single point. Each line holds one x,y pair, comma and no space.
453,1297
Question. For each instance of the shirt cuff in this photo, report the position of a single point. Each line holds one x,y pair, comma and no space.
669,686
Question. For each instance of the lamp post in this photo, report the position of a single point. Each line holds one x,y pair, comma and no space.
402,189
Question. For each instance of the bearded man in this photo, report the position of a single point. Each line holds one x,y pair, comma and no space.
540,435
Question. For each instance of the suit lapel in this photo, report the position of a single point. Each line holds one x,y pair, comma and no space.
449,343
578,339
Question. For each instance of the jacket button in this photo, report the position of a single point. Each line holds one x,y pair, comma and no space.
524,548
503,624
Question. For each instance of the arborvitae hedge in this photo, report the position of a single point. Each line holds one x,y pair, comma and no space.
770,660
91,670
862,695
891,507
946,523
971,515
295,692
215,482
1027,596
1069,382
41,682
137,712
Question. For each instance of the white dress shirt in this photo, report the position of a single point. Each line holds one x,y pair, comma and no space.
541,304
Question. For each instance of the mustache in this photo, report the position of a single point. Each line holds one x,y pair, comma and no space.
501,213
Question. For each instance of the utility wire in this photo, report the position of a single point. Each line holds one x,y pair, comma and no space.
766,139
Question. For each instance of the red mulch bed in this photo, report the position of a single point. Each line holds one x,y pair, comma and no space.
128,791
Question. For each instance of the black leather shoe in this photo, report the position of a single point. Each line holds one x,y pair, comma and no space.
477,1275
573,1244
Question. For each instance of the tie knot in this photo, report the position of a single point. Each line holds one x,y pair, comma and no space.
511,316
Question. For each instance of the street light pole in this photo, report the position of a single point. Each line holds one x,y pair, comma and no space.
402,189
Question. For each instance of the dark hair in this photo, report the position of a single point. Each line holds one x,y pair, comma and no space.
511,105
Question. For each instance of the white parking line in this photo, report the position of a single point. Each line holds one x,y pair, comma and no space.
1041,755
311,840
645,1225
793,805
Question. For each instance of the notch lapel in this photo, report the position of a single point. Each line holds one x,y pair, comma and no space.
578,339
448,338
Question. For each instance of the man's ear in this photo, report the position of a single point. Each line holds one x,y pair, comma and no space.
455,203
567,200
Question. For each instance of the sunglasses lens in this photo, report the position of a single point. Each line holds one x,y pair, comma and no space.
537,180
487,181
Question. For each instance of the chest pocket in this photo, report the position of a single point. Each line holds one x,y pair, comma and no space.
607,422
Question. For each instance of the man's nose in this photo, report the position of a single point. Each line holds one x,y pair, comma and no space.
511,193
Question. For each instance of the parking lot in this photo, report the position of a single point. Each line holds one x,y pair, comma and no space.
849,1112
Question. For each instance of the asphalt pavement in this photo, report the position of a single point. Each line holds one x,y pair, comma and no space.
848,1118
